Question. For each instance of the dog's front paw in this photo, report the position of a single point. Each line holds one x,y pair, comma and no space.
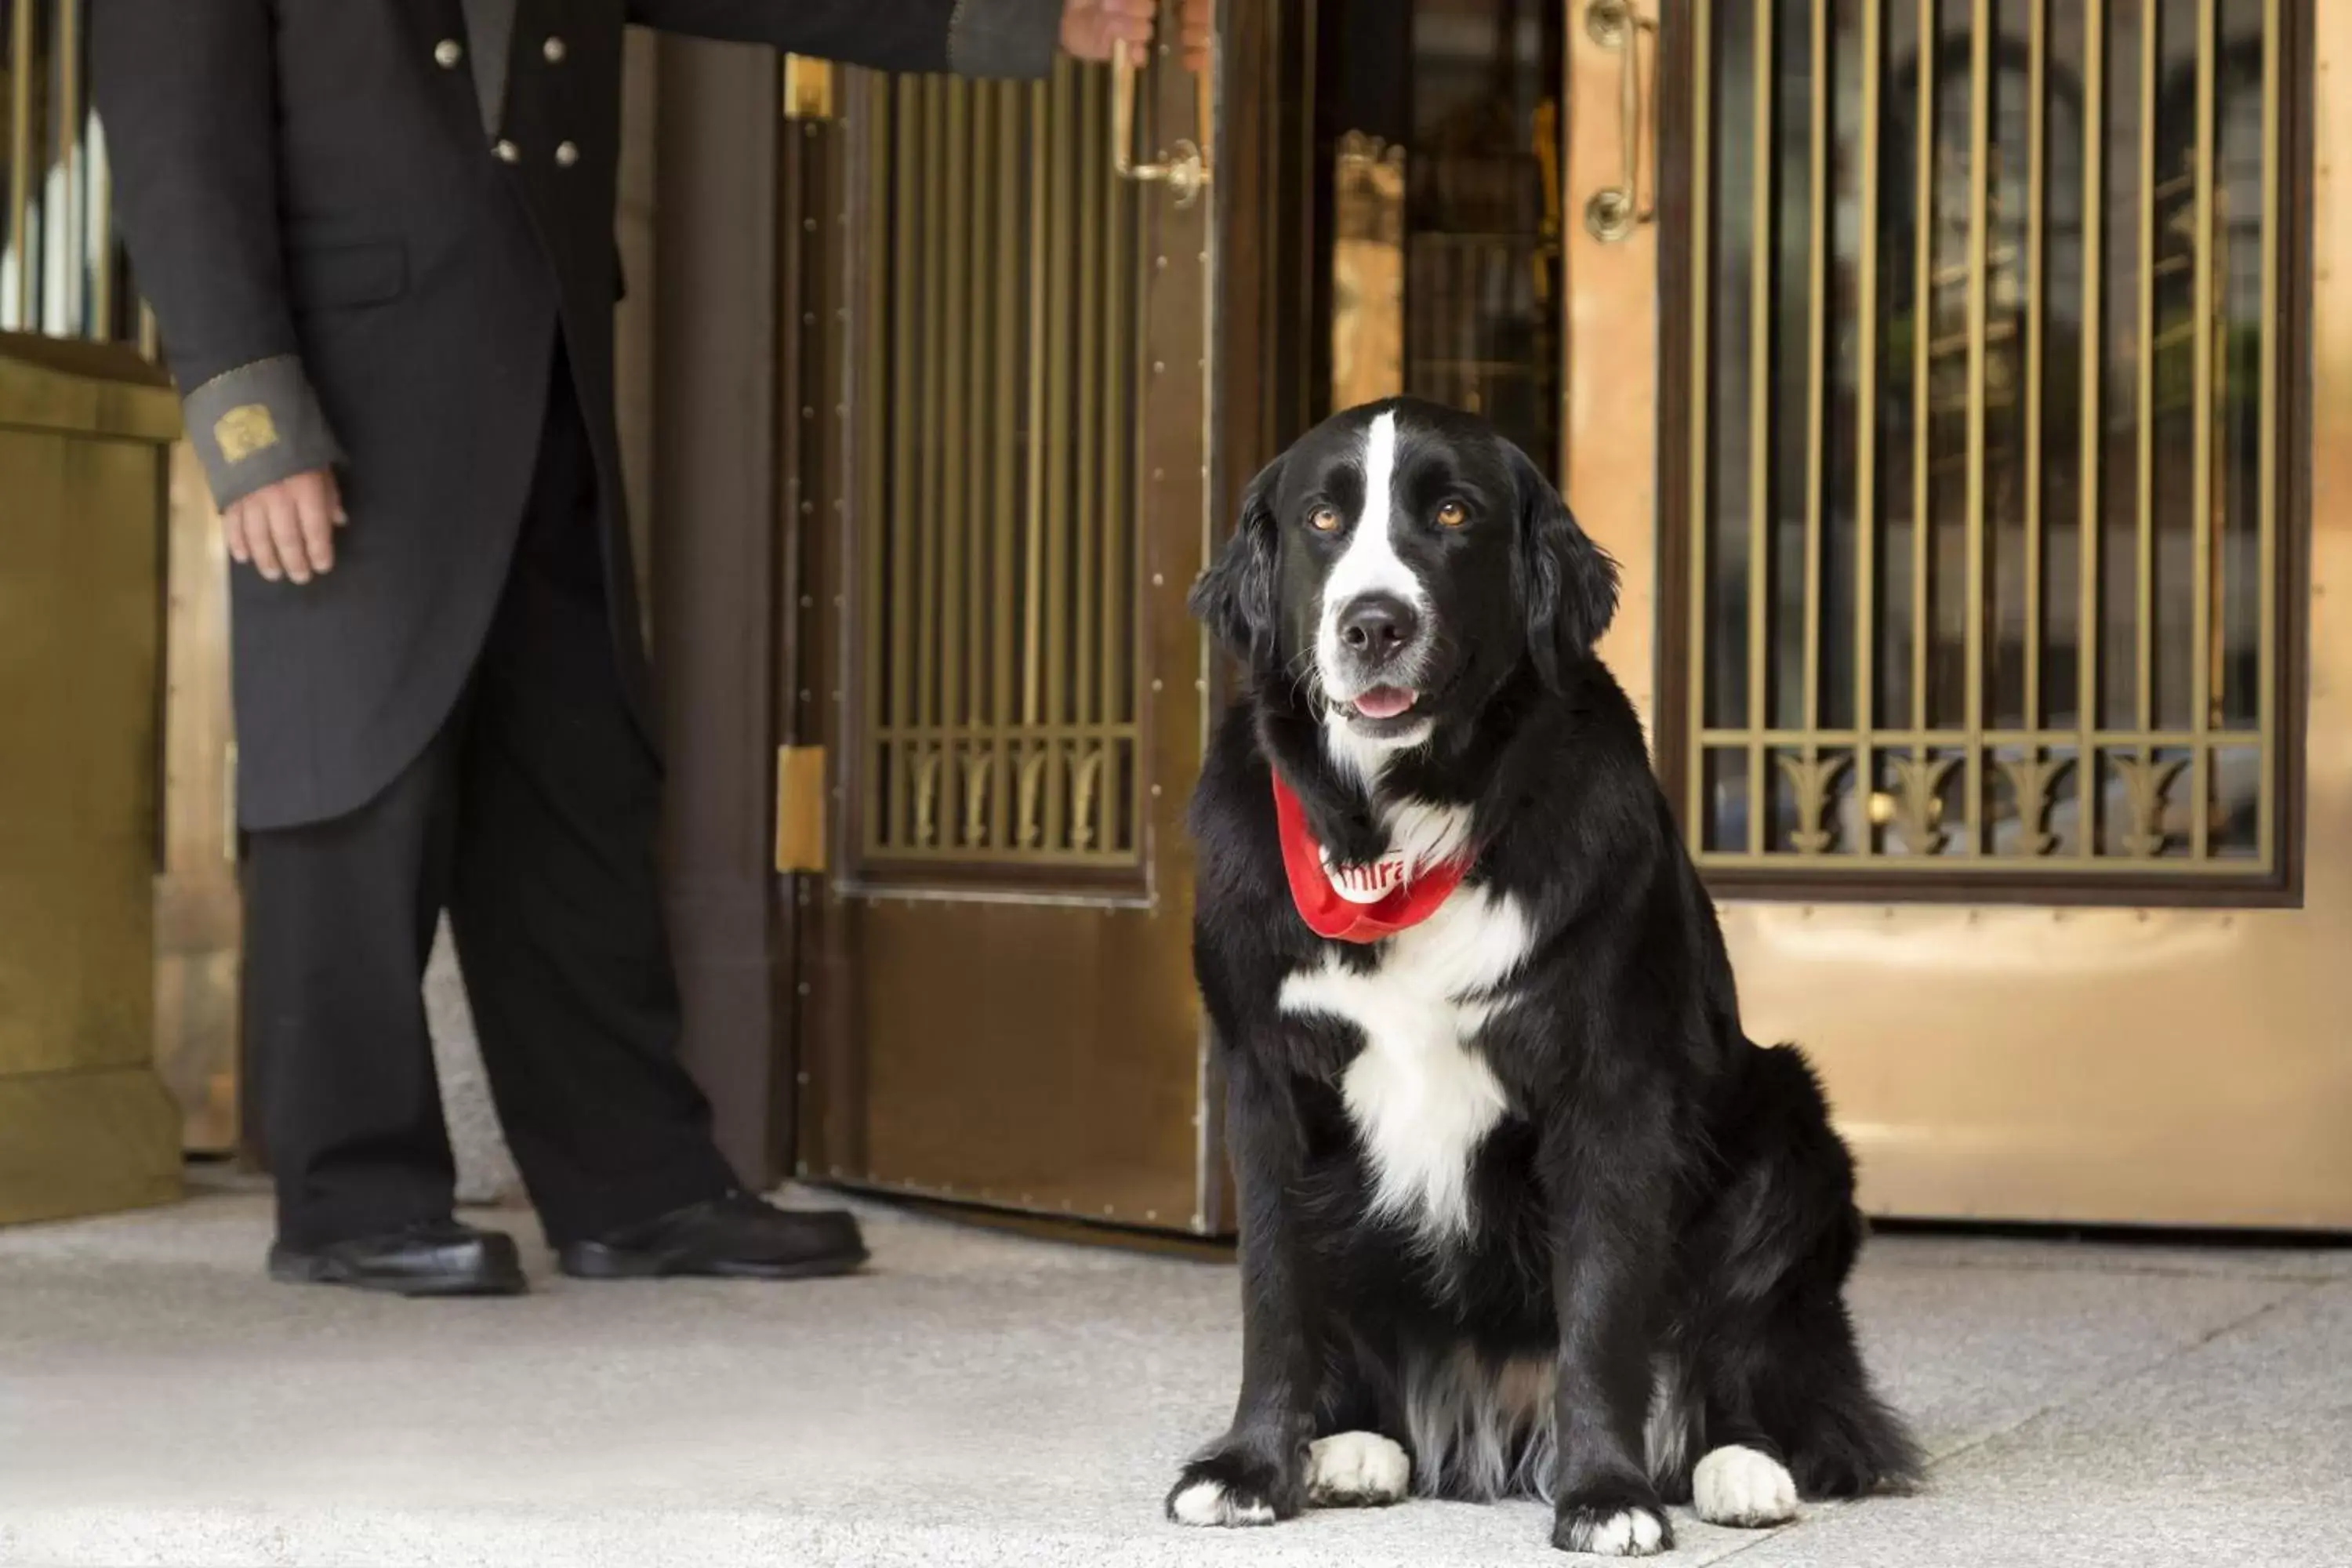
1235,1487
1357,1470
1743,1487
1623,1521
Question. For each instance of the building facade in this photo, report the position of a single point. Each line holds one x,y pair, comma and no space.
1960,383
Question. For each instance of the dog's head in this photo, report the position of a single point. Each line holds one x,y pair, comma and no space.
1396,566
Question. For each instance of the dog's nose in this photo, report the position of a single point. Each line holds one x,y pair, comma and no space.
1378,625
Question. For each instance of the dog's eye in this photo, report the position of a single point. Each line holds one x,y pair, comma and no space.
1450,515
1324,520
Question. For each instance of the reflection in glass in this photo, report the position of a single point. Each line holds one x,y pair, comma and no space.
59,262
1482,216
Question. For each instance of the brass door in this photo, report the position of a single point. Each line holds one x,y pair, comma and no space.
996,1001
1977,560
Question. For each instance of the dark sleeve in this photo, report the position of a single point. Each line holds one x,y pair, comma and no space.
970,37
185,90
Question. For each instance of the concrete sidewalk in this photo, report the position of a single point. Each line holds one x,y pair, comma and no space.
981,1399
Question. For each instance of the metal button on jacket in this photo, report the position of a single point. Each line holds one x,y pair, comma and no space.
554,50
506,151
447,52
566,153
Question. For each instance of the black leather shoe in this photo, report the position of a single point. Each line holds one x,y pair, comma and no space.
736,1237
432,1258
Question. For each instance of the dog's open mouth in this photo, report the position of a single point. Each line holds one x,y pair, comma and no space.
1381,712
1384,702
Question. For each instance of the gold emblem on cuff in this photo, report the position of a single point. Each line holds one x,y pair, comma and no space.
244,430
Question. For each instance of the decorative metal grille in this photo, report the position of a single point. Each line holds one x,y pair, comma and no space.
1001,656
61,268
1983,456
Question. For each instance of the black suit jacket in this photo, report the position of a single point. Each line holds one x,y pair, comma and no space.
362,223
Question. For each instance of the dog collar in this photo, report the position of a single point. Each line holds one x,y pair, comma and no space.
1355,903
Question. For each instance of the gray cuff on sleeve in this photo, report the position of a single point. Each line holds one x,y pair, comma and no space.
257,424
1004,37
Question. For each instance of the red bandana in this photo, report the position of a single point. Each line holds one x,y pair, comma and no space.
1355,903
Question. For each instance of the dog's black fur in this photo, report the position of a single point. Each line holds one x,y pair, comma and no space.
1663,1198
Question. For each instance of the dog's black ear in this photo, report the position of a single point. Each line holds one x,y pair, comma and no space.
1235,597
1570,583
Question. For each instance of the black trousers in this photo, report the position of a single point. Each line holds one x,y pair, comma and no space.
531,819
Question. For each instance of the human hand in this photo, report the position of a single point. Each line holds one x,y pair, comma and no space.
1193,17
288,529
1090,29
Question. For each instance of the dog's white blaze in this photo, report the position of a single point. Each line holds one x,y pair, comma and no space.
1737,1485
1370,565
1421,1098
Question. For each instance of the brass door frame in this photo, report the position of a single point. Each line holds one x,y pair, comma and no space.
713,298
2006,1061
1608,463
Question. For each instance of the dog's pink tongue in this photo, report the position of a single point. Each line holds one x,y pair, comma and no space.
1384,701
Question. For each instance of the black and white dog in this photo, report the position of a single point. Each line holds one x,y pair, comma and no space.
1522,1209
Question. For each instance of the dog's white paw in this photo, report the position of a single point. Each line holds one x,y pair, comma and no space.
1736,1485
1613,1533
1217,1506
1356,1470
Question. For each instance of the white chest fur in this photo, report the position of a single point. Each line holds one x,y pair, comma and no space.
1421,1098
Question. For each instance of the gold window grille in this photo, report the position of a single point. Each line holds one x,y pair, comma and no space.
61,267
1000,659
1985,550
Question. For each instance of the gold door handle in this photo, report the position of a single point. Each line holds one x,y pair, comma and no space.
1185,169
1613,212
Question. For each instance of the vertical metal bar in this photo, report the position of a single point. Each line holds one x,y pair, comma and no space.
1816,244
64,232
1118,510
877,448
2267,458
18,313
1143,760
950,352
1065,130
1759,431
100,226
1865,534
1042,132
2090,372
1703,520
1923,337
2036,153
989,262
2144,628
936,435
1980,24
1087,521
905,442
2200,485
1004,522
